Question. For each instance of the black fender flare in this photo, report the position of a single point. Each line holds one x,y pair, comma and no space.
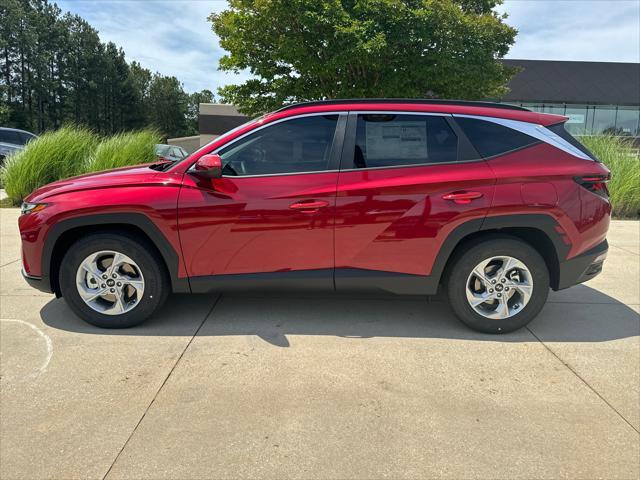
539,221
136,220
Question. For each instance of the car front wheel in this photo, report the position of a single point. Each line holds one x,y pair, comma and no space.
113,280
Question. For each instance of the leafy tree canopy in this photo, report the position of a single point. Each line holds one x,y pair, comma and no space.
322,49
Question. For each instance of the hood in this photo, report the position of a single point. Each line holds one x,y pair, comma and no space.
119,177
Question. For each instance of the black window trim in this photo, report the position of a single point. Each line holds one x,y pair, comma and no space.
334,156
464,145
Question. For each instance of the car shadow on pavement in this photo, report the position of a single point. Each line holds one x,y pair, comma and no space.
591,317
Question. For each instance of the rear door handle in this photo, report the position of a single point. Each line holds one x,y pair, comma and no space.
462,197
309,206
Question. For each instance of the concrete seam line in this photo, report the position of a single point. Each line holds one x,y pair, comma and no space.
566,364
195,334
12,261
624,249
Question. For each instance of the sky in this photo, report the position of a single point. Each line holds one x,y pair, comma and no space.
175,38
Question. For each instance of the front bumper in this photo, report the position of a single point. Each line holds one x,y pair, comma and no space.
583,267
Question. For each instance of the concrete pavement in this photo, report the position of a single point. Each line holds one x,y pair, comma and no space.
267,386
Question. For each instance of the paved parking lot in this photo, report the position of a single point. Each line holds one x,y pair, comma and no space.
322,386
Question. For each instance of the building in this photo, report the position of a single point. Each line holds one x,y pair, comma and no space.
598,97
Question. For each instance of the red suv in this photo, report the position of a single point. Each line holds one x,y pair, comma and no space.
494,203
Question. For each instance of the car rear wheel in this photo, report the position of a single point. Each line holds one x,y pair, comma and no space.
498,285
113,280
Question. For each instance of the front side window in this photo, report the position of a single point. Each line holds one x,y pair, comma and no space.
292,146
390,140
10,136
491,139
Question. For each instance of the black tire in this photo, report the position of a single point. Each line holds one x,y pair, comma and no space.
156,288
471,255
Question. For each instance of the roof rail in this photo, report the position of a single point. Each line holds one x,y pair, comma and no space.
468,103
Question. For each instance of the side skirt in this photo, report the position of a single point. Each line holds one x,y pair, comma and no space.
325,280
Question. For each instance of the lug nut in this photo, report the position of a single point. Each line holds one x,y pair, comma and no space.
493,281
499,295
114,275
104,276
112,290
503,280
120,284
506,289
491,290
104,285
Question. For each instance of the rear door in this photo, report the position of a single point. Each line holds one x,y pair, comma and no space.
272,212
406,181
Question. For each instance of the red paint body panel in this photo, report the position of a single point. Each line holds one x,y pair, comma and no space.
137,190
583,216
395,220
247,225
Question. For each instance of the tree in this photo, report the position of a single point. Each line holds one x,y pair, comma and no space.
322,49
167,105
193,108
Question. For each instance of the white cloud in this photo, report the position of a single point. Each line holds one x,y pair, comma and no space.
585,30
175,38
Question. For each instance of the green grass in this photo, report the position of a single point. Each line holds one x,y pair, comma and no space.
124,149
52,156
72,151
618,154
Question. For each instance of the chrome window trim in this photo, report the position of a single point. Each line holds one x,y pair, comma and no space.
537,131
269,124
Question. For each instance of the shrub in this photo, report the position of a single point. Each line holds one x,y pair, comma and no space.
618,154
124,149
52,156
72,151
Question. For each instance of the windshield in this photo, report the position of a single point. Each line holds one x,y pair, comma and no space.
162,149
230,132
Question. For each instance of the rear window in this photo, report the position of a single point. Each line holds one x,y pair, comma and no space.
559,130
491,139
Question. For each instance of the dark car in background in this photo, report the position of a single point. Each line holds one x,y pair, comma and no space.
171,153
13,140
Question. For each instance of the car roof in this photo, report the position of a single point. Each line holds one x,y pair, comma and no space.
459,107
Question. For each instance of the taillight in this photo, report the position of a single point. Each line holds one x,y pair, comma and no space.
595,183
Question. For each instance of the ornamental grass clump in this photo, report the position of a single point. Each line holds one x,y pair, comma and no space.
51,157
124,149
620,156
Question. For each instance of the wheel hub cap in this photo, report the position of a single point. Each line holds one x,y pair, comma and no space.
110,282
499,287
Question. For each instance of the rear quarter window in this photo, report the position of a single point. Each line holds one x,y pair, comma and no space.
491,139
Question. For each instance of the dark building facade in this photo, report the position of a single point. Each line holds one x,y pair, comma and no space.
598,97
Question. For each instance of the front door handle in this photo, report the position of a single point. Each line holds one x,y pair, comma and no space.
309,206
462,198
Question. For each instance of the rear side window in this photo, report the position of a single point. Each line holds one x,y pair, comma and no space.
390,140
491,139
559,130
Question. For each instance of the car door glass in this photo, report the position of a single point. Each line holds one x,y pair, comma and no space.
389,140
491,139
10,136
292,146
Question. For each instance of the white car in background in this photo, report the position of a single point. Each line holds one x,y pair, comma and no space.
13,140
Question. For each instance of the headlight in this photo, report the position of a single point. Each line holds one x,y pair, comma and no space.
31,207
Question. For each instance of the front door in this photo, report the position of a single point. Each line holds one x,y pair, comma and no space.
271,216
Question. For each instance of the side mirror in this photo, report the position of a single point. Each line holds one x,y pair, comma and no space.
209,166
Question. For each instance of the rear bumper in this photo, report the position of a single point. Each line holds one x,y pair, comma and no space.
583,267
37,282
